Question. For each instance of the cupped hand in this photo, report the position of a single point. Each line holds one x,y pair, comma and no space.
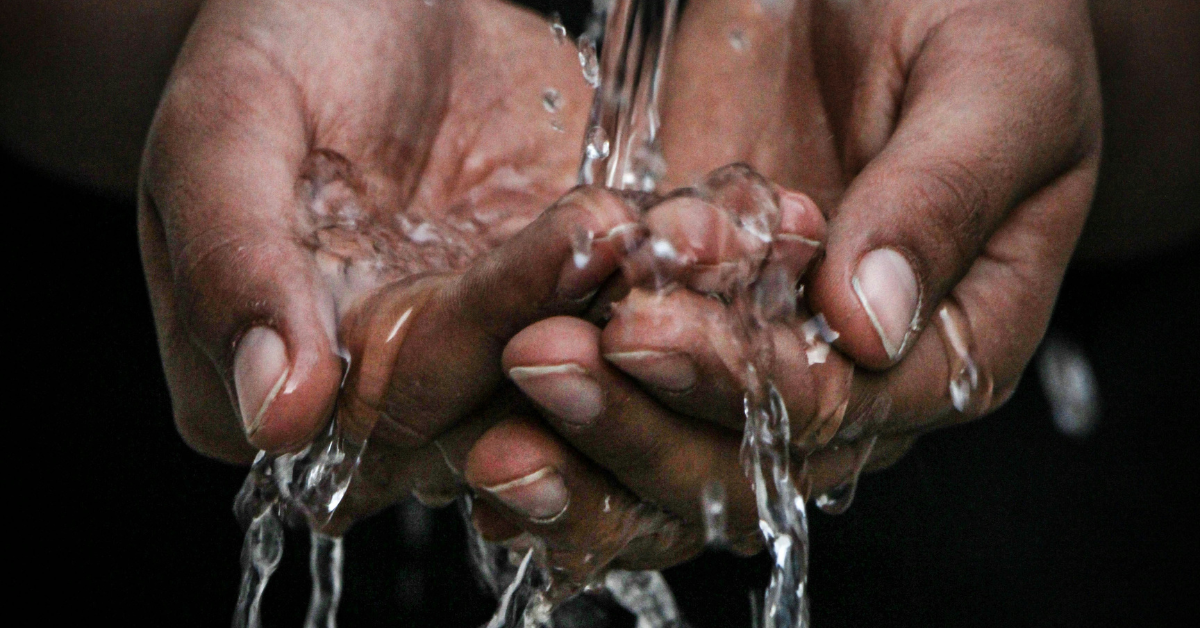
953,147
353,194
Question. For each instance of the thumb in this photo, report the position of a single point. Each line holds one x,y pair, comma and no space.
972,140
239,302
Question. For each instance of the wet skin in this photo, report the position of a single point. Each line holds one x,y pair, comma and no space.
960,138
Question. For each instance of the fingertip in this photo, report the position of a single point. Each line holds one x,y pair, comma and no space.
800,216
552,341
501,454
873,301
285,389
515,464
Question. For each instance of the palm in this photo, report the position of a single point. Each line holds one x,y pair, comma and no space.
429,148
310,161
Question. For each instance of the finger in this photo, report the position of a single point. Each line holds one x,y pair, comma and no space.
682,350
715,237
536,482
971,141
800,237
969,361
203,415
662,457
430,347
219,187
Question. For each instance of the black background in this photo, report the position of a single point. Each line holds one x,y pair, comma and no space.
1002,522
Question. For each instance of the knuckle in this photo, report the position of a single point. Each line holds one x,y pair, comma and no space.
593,208
210,294
955,201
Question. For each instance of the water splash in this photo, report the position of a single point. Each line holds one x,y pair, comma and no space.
646,595
523,602
302,488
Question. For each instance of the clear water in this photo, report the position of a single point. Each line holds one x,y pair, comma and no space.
304,487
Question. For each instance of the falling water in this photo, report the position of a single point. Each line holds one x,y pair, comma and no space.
302,487
325,568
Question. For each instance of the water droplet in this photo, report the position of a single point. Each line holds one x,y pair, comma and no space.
597,143
557,29
970,386
737,40
646,168
1070,386
816,327
664,250
551,100
581,246
713,502
837,500
589,62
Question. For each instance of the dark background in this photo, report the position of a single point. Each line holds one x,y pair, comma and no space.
1002,522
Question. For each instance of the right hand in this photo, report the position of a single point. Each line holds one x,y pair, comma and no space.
362,180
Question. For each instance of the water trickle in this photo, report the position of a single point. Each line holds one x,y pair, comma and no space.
261,552
716,518
325,568
626,110
970,385
837,500
589,61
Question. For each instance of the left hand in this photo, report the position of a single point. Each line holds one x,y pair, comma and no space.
954,147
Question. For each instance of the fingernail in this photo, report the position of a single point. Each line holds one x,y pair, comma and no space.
564,390
887,288
542,496
260,368
799,215
673,372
